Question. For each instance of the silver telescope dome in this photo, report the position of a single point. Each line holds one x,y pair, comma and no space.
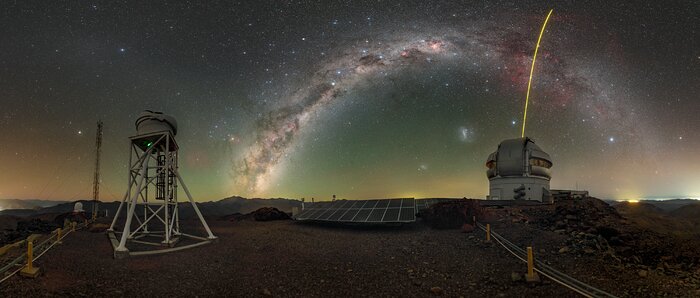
519,157
150,122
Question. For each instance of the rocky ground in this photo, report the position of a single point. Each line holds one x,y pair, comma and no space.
284,258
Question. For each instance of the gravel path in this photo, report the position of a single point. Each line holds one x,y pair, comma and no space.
285,258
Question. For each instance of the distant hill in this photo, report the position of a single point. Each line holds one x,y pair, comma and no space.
26,204
215,209
665,205
689,212
640,208
684,221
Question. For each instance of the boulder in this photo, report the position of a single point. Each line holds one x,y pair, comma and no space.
467,228
452,214
98,227
268,214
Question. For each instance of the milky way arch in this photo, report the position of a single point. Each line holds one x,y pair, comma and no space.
503,51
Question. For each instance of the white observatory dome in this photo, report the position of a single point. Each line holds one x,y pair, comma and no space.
150,122
519,157
78,207
519,170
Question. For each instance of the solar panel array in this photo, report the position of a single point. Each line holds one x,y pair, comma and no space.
361,211
423,204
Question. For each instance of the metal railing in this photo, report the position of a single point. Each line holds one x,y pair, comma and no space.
38,250
575,285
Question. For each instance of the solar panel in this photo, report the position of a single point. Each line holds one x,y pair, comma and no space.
361,211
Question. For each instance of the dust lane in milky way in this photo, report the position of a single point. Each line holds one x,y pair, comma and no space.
497,50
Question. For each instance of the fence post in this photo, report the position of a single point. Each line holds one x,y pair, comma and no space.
29,270
488,232
58,236
531,275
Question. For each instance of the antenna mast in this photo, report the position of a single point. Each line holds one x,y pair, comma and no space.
96,178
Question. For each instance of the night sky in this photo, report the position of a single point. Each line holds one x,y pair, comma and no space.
362,99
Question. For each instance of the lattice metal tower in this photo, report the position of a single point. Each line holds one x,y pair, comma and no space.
96,178
152,196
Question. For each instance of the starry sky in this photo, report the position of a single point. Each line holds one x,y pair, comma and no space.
362,99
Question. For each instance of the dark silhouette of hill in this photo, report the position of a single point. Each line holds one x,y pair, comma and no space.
640,208
26,204
682,222
216,209
689,212
665,205
670,205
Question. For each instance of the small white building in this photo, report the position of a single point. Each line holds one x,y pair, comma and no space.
519,170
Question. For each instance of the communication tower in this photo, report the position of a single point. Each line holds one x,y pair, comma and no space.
96,178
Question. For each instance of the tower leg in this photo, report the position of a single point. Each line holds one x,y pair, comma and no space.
194,206
116,215
121,251
128,189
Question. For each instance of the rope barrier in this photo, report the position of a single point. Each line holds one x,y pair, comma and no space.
547,271
40,248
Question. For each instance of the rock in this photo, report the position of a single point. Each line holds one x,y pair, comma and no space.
36,226
643,273
266,292
571,217
269,213
452,214
607,232
98,227
515,277
588,250
436,290
467,228
564,249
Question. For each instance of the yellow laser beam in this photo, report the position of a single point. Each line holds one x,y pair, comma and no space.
532,70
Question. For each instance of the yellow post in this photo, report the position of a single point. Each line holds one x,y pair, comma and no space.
30,270
530,260
58,235
488,232
74,224
531,275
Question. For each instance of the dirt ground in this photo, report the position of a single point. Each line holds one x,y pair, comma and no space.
285,258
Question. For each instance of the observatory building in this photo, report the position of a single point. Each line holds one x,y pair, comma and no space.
519,170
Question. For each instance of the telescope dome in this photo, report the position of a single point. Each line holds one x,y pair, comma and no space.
519,170
78,207
150,122
518,157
